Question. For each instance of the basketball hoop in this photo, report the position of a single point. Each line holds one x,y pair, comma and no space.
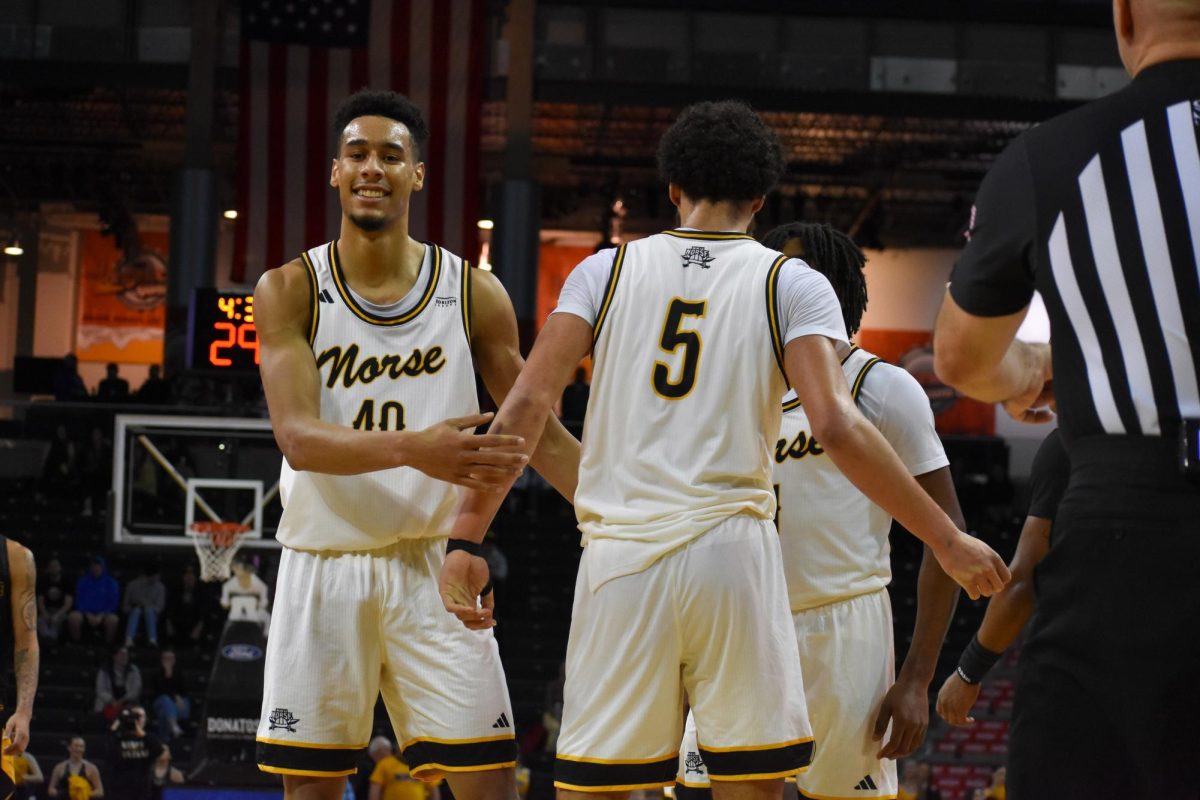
216,543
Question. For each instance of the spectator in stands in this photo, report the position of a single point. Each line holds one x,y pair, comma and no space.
997,789
54,601
245,584
915,783
163,774
95,470
114,388
171,703
191,606
134,754
67,383
154,391
58,470
75,779
97,598
145,598
118,685
390,779
27,775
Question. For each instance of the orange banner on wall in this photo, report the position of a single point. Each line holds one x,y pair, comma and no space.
122,301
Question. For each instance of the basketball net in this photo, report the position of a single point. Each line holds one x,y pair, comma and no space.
216,544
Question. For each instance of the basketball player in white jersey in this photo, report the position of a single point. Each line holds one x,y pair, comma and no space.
835,557
368,347
681,585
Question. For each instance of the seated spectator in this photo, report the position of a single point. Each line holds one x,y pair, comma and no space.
390,779
145,597
27,776
997,790
134,752
245,584
171,703
113,389
162,774
191,607
75,779
915,782
118,685
95,471
67,383
54,601
155,390
97,597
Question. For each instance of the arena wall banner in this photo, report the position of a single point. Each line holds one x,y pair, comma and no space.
122,299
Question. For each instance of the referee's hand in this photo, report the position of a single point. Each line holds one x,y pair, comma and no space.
462,578
973,565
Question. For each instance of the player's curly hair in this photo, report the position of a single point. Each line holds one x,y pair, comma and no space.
834,255
720,151
376,103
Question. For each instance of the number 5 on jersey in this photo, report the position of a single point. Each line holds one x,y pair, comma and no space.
675,336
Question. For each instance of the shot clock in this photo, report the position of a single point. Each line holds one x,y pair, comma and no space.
221,334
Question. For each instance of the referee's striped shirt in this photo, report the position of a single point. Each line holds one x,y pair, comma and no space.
1099,210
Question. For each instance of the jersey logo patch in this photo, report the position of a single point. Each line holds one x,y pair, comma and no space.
325,296
697,256
693,763
445,302
502,721
866,785
282,718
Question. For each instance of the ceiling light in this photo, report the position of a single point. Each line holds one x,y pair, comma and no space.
230,213
485,224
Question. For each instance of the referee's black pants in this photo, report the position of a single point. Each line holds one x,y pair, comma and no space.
1108,692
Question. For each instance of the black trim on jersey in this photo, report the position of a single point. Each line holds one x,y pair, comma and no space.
862,374
730,764
339,280
709,236
466,298
773,313
794,403
461,755
314,301
614,275
611,776
684,792
307,760
1087,276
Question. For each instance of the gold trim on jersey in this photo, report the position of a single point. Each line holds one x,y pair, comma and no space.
806,796
709,235
756,776
755,748
862,373
618,761
614,275
315,309
794,403
472,768
308,773
625,787
339,280
477,740
310,745
773,313
466,298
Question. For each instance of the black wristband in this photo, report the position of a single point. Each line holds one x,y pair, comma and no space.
487,588
975,662
474,548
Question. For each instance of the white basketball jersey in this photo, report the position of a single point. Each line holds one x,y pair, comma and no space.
835,540
685,394
406,366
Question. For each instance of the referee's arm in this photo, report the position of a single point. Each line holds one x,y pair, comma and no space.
974,339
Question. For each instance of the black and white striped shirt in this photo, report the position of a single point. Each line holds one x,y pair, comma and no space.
1099,210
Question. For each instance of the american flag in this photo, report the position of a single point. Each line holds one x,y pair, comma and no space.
299,60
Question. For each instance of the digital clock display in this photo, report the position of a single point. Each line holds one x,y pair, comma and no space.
221,333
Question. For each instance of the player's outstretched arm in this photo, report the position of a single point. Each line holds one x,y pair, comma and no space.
448,450
26,654
979,357
496,347
863,455
1003,621
564,340
907,702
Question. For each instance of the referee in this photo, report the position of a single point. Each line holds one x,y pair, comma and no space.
1099,210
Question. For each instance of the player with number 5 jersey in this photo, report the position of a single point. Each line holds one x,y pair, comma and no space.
696,333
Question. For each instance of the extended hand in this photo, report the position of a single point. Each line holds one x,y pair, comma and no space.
906,705
955,699
1035,403
450,452
462,578
16,730
974,566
